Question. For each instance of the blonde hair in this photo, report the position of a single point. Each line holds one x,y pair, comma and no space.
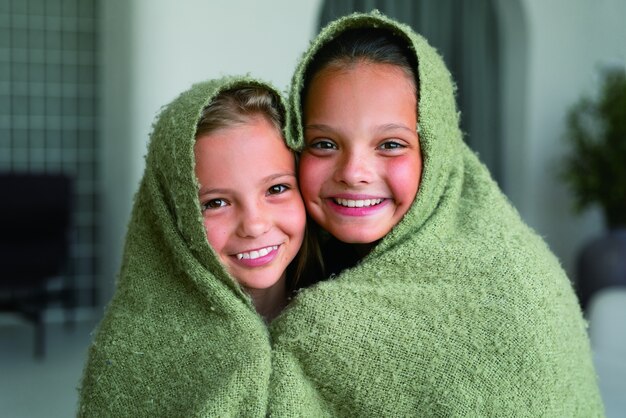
237,106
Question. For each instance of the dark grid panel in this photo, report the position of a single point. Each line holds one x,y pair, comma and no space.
48,109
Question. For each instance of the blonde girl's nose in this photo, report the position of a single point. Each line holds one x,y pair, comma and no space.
253,222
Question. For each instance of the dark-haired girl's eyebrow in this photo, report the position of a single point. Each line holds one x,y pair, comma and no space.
319,127
394,126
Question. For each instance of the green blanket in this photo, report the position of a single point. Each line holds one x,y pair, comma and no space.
180,337
461,310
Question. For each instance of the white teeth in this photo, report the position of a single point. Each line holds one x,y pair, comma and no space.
257,253
358,203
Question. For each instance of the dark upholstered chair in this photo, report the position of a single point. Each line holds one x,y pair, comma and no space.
35,213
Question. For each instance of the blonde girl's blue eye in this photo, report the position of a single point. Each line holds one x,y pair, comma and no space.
278,189
214,204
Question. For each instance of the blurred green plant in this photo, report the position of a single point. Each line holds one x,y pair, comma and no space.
595,168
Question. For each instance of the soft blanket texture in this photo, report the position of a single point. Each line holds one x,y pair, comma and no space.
461,310
180,337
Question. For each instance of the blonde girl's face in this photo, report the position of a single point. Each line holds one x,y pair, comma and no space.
253,213
361,166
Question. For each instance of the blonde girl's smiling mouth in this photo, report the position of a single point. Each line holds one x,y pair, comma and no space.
257,257
253,254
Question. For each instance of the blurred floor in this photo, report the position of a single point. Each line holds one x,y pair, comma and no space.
607,316
612,376
32,388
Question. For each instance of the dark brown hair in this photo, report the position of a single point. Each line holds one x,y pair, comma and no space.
375,45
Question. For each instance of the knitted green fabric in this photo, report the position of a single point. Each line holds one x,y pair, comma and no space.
460,311
180,337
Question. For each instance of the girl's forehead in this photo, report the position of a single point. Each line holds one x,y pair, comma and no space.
357,85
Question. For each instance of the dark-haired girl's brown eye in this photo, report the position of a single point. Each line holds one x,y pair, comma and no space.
391,145
322,144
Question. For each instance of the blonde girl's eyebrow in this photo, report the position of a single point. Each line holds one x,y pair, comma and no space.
268,179
273,177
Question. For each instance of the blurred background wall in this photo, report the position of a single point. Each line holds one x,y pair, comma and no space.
49,124
82,81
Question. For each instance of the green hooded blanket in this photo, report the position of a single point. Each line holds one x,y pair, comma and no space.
180,337
461,310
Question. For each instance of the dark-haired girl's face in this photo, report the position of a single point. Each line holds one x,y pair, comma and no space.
361,166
